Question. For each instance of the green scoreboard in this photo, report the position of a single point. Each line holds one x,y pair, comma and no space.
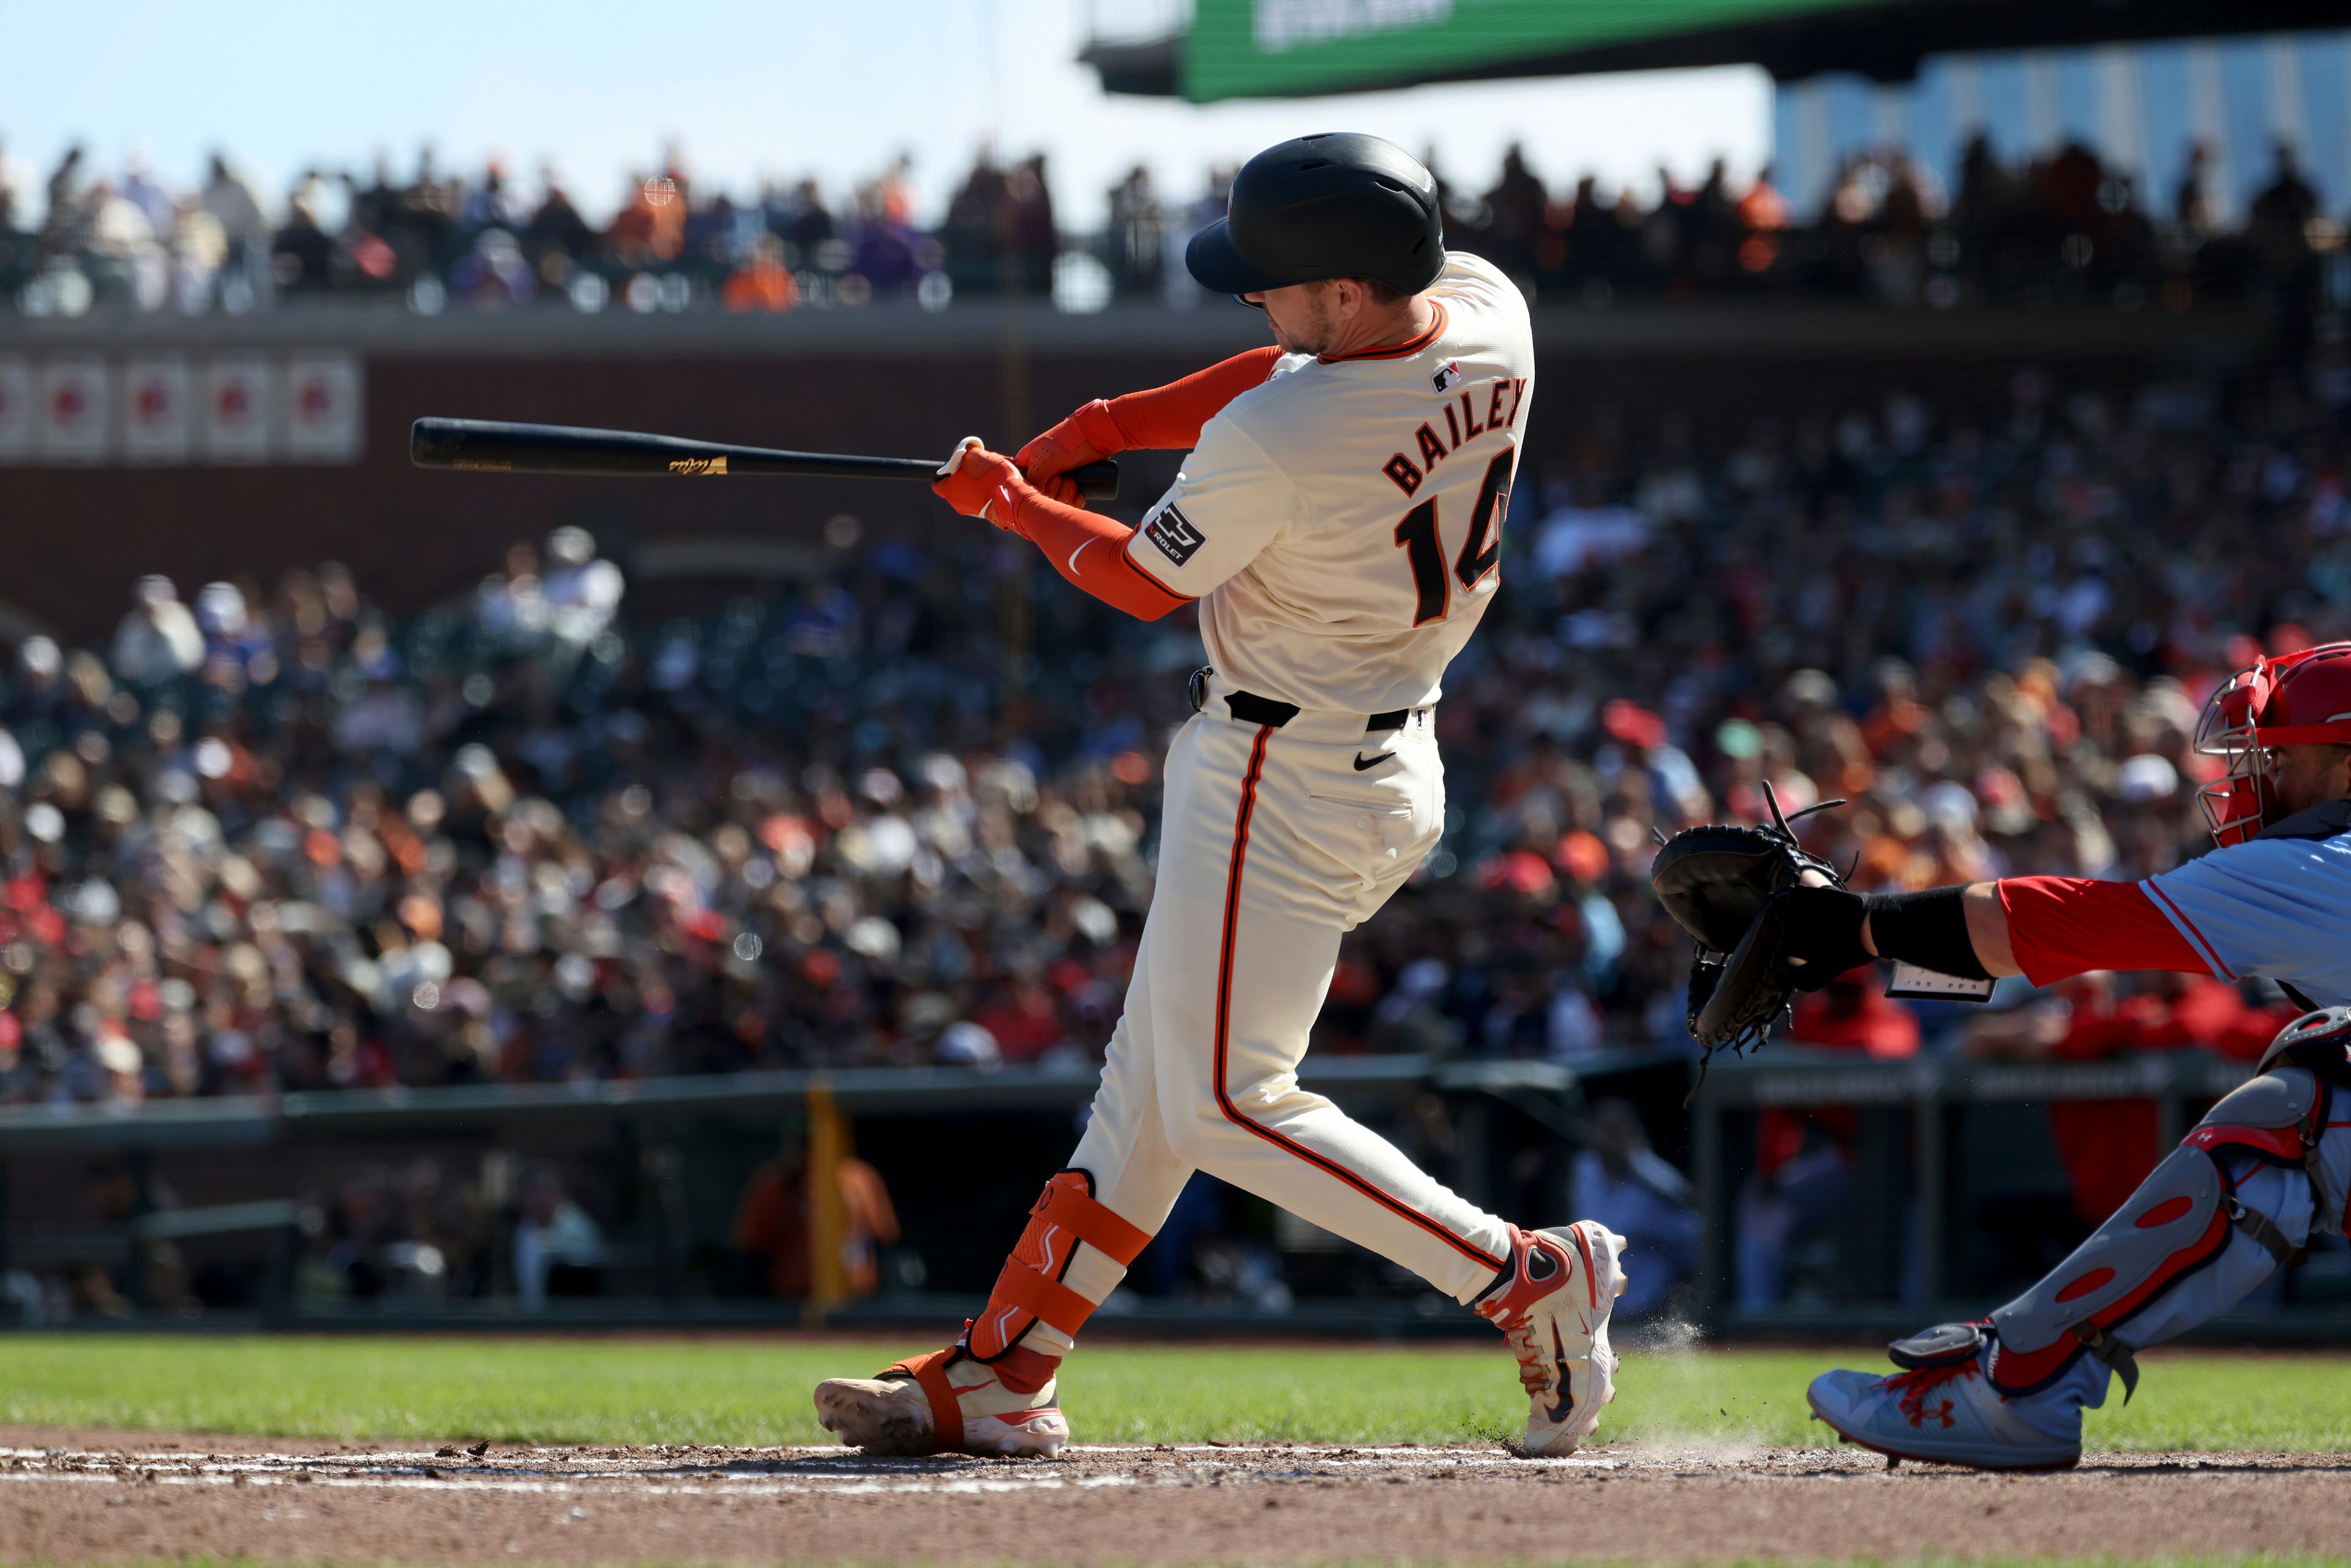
1278,48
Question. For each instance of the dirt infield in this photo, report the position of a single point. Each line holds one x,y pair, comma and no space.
79,1496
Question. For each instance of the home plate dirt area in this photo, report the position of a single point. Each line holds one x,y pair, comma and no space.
84,1496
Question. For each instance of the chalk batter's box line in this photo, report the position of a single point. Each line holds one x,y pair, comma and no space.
841,1475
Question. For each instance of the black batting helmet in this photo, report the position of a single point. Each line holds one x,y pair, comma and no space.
1335,205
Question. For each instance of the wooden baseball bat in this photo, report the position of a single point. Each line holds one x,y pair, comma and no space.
498,446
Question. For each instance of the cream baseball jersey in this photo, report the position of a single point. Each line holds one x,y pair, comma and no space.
1342,523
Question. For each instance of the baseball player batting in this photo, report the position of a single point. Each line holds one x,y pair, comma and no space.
2235,1202
1338,522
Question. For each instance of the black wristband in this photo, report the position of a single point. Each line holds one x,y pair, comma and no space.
1928,930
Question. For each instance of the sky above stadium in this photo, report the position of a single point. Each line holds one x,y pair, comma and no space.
783,88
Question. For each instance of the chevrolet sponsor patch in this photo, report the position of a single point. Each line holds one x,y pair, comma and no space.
1173,532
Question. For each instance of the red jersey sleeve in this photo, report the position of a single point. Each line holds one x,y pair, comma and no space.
2065,926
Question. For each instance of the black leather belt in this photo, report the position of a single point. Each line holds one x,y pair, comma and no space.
1251,709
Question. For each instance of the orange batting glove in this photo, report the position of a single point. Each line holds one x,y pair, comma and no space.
1087,436
982,484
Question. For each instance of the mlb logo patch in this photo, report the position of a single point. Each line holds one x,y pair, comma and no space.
1449,376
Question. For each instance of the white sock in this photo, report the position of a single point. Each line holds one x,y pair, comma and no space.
1093,1274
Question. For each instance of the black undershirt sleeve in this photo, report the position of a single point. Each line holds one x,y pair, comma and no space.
1929,928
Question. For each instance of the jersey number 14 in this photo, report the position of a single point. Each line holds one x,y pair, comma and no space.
1424,551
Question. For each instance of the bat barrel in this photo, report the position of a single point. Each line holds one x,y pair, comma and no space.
500,447
496,446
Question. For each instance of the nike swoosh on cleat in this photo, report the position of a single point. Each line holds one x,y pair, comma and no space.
1362,764
1558,1414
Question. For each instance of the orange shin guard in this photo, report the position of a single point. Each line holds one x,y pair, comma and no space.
1030,1290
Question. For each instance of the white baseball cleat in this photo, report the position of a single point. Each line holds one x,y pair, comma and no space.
1553,1311
1949,1413
946,1403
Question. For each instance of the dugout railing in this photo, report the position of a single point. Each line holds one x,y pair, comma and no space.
1896,1193
1928,1188
256,1194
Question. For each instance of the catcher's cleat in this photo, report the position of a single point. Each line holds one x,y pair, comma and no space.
1947,1413
1553,1307
946,1403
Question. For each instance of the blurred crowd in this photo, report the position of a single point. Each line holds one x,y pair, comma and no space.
490,239
274,840
2061,228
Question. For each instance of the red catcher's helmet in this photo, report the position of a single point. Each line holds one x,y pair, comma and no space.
2293,699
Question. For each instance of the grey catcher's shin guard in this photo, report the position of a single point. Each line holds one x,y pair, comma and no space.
2229,1208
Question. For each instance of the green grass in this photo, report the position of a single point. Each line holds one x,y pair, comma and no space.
756,1391
2187,1400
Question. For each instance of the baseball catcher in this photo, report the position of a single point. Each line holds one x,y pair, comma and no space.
2236,1201
1338,522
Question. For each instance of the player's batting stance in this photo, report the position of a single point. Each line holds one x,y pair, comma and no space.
2242,1193
1338,522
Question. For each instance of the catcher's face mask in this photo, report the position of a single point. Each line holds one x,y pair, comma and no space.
2295,699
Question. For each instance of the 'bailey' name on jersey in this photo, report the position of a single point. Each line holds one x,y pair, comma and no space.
1342,523
1408,475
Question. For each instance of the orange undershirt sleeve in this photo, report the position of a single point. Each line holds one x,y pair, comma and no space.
1168,418
1090,551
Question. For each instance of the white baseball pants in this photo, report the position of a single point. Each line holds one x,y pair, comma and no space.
1274,843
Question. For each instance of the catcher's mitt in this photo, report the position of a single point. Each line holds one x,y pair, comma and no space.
1726,885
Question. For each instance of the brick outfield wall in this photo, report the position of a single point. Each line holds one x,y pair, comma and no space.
74,539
